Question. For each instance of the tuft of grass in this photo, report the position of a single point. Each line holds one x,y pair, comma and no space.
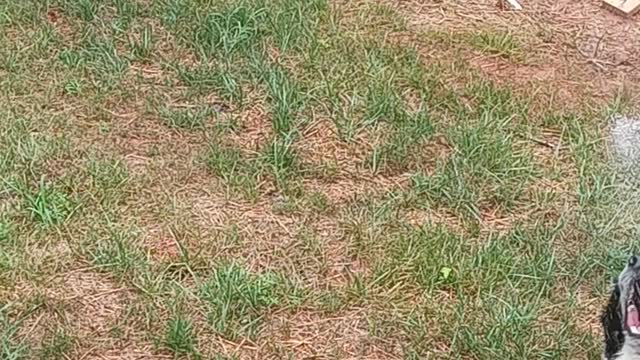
72,87
108,179
103,61
107,174
117,252
281,158
318,202
236,299
46,205
293,23
179,336
6,229
401,149
126,12
286,101
497,288
85,10
185,118
220,34
10,347
430,257
227,83
364,222
237,172
9,258
70,58
496,43
143,47
56,347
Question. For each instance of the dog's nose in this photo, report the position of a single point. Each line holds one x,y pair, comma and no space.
633,260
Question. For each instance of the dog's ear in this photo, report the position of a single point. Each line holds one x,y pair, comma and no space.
612,323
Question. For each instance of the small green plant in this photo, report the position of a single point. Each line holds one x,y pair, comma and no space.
47,205
281,158
72,87
179,337
286,101
143,48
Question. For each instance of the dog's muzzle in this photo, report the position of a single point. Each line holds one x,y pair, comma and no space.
632,314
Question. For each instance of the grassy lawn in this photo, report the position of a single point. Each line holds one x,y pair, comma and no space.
289,179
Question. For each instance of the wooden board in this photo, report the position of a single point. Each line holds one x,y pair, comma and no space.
515,4
627,7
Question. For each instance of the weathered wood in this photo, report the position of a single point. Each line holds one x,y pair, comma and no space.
509,5
626,7
515,4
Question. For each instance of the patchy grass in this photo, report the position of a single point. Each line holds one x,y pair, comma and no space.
308,178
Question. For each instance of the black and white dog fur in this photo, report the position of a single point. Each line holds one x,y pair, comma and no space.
621,317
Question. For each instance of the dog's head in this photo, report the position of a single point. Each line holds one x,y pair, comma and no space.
621,318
